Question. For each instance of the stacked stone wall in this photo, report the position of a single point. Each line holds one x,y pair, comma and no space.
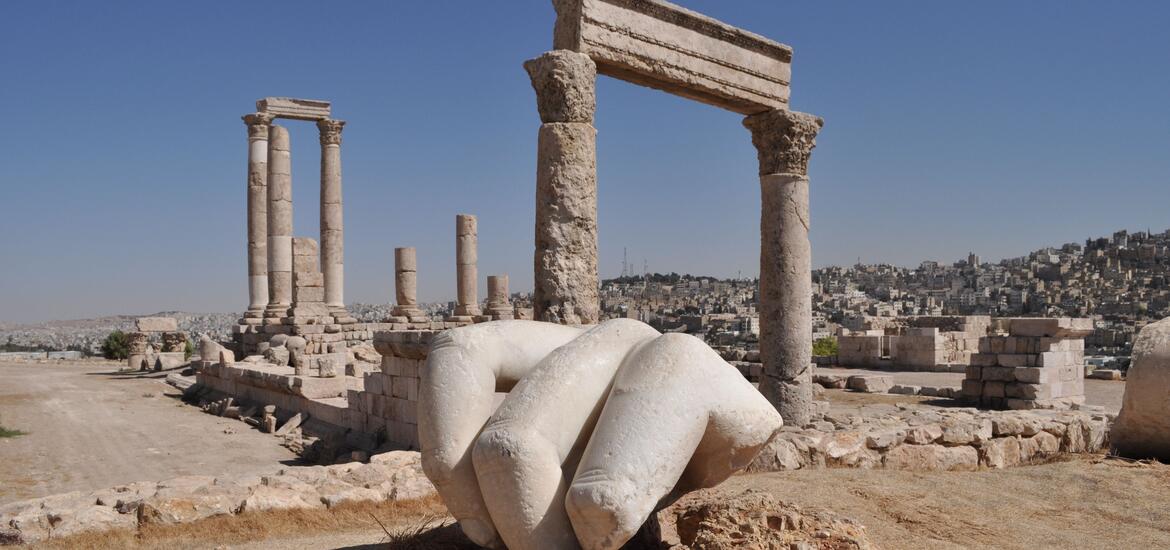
1039,364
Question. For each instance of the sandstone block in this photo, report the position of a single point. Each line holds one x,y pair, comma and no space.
870,383
1000,452
157,324
931,458
1062,327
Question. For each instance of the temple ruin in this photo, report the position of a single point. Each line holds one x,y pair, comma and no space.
663,46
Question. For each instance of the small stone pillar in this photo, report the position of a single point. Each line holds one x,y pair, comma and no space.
257,215
566,278
466,239
498,306
406,285
136,344
784,142
332,223
280,224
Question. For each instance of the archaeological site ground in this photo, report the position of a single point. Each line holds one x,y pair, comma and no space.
1023,404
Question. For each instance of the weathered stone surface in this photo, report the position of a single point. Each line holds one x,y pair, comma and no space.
1001,452
565,83
870,383
753,519
1142,429
664,46
293,108
931,457
157,324
566,289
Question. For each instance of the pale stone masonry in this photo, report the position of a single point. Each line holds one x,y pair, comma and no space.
661,45
498,305
332,221
280,224
566,276
664,46
466,242
1037,364
257,215
406,287
784,142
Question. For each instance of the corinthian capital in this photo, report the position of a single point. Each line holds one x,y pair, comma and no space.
330,131
258,125
784,140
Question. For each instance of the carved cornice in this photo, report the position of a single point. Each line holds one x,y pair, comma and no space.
330,131
258,125
784,140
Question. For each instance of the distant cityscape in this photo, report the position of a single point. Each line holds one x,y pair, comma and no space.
1121,281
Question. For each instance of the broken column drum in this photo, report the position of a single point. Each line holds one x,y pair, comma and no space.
498,306
406,283
466,238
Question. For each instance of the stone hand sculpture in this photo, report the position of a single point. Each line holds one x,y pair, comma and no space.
600,427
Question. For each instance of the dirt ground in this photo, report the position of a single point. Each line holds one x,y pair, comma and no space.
1101,393
1083,502
91,428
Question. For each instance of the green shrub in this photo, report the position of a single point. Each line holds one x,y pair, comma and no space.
116,346
825,347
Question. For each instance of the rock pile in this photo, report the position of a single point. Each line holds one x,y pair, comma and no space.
393,476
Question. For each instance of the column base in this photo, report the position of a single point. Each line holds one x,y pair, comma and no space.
467,311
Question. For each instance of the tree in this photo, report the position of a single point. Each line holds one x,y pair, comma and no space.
188,349
116,346
824,347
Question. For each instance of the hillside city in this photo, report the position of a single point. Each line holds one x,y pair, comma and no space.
1120,281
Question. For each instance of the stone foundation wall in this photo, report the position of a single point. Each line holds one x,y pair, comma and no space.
914,438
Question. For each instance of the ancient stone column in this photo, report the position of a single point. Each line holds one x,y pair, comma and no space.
498,305
406,284
332,224
566,279
466,239
280,224
257,214
784,141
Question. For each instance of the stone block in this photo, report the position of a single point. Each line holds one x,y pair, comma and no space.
663,46
308,279
1060,327
984,359
973,372
931,458
1002,374
1105,374
292,108
1016,360
904,390
993,388
870,383
309,294
1059,359
1000,452
1021,390
1036,375
157,324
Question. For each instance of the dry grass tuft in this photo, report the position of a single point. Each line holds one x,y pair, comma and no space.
427,533
261,526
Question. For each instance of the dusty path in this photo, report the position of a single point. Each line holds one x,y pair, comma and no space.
1086,502
90,428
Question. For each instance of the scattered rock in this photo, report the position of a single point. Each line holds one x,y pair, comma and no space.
753,519
870,383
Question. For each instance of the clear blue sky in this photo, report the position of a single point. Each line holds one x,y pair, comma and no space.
995,127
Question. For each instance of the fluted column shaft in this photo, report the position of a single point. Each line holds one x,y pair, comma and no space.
784,141
565,263
280,223
257,213
332,221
